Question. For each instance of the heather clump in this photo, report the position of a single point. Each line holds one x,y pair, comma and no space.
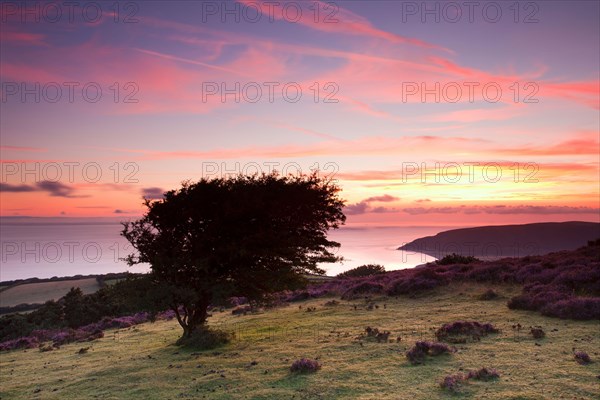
537,332
462,331
205,338
455,382
582,357
27,342
241,310
363,270
579,308
305,365
489,294
362,289
457,259
376,334
237,301
419,352
420,281
299,296
563,285
483,374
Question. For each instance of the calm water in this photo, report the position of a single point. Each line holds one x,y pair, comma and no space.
47,250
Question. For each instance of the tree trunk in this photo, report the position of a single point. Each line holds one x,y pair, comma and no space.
193,318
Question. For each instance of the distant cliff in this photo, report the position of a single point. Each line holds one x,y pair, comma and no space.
490,242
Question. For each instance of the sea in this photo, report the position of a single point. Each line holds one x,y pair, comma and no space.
46,250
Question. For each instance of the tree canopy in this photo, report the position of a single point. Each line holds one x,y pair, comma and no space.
363,270
244,236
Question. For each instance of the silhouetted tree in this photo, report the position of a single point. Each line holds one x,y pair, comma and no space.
244,236
74,308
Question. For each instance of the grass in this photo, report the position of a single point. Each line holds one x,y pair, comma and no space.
143,362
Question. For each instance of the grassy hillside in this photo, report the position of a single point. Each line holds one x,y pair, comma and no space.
44,291
143,362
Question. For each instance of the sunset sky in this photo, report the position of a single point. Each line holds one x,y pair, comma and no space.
484,116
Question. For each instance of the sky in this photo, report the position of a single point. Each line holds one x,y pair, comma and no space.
425,113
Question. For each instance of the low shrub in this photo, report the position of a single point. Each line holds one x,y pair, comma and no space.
241,310
205,339
579,308
413,286
489,294
452,382
299,296
375,333
26,342
419,352
457,259
582,357
363,270
362,289
47,347
491,272
460,331
537,332
483,374
237,301
305,365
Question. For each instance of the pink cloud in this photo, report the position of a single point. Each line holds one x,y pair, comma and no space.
435,147
21,148
169,82
475,115
546,171
362,146
503,209
587,92
586,144
334,19
28,73
34,39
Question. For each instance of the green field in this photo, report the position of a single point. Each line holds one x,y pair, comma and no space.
40,292
142,362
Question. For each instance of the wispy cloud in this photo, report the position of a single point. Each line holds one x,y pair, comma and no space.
153,193
340,21
55,189
502,209
23,148
365,206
